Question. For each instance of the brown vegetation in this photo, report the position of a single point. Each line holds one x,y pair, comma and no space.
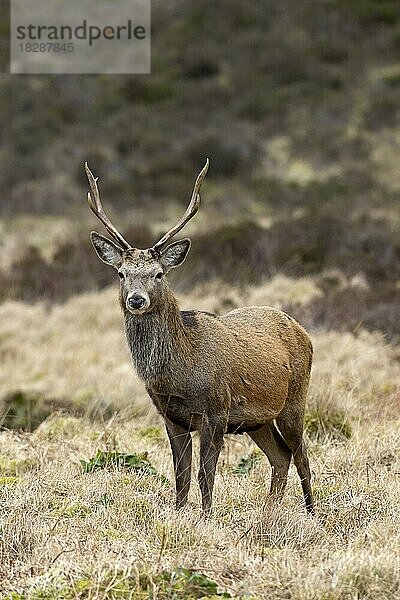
62,529
297,106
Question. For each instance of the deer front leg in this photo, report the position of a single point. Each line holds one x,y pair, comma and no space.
181,446
211,442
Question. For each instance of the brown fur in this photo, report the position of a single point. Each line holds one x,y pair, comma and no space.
246,371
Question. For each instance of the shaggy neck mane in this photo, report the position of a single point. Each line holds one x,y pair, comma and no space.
157,340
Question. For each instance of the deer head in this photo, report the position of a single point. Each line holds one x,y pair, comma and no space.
142,273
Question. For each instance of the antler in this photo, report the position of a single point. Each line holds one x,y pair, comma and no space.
97,207
190,211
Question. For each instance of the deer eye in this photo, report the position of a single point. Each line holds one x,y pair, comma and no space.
121,275
159,275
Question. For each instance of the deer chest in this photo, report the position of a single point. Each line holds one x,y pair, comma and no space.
179,410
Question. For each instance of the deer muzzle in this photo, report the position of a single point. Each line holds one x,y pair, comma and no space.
138,303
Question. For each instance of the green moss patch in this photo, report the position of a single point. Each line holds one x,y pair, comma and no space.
104,459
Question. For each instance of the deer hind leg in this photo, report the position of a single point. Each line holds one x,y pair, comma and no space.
269,440
211,442
181,446
290,422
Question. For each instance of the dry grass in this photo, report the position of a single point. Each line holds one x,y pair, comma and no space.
112,533
64,351
300,119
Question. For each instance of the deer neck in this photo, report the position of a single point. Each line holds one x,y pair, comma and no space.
158,341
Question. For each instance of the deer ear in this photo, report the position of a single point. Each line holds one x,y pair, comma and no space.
106,250
175,254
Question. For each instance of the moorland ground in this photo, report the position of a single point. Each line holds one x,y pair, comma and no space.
297,106
67,532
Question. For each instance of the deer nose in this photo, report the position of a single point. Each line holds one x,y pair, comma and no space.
136,302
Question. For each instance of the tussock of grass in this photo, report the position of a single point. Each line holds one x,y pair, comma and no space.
320,423
279,527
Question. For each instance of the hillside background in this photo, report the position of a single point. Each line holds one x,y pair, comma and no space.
297,105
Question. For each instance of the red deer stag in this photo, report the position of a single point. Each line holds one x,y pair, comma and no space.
246,371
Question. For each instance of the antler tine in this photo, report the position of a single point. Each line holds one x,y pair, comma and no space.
191,210
97,207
